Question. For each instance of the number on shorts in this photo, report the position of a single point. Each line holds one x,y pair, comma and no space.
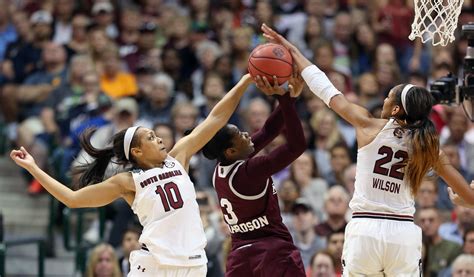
394,170
170,196
229,215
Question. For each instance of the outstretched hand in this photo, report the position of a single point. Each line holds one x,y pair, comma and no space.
275,37
264,85
296,83
22,158
458,200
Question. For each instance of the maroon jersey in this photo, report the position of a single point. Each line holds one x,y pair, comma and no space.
245,189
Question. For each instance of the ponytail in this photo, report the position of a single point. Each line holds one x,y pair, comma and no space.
91,173
423,138
424,152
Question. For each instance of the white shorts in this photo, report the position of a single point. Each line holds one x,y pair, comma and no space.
142,264
381,247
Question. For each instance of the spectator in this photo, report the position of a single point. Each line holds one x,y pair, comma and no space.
455,132
363,51
26,60
62,27
24,35
322,264
349,176
440,252
336,203
454,231
99,43
129,243
23,62
115,82
452,152
324,58
146,42
8,33
210,221
207,53
183,117
255,114
427,194
304,236
314,33
214,90
342,34
304,172
78,43
103,262
327,134
368,89
463,266
340,160
174,65
129,30
159,100
288,192
335,245
103,13
468,238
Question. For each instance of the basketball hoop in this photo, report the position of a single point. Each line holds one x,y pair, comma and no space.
435,20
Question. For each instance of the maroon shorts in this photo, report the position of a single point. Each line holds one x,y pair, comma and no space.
269,257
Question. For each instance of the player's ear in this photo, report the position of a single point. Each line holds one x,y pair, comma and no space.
230,152
396,110
136,152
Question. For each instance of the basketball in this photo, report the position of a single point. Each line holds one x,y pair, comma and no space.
270,60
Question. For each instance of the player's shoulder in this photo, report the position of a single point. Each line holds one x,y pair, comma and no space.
123,179
367,134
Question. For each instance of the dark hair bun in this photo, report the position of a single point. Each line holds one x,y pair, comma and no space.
209,152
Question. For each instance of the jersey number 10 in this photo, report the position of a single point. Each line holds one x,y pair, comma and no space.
170,196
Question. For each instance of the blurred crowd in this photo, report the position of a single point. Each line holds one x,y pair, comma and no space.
67,65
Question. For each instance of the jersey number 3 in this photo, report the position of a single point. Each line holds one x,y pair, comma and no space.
170,196
394,170
229,215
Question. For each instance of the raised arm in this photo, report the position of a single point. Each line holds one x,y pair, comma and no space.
269,131
320,85
267,165
456,182
220,114
91,196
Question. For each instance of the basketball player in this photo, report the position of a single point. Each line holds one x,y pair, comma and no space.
158,189
261,243
394,154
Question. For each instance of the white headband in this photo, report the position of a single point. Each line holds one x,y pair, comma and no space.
127,140
404,96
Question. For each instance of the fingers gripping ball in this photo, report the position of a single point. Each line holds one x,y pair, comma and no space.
271,59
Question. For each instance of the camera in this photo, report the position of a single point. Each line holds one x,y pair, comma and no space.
447,90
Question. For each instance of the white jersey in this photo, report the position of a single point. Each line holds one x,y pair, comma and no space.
165,203
380,186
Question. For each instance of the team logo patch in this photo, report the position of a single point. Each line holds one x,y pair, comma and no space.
169,164
278,52
398,132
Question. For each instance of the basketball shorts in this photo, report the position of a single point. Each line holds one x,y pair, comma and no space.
269,257
381,247
142,264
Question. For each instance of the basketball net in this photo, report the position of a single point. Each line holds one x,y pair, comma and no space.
435,20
